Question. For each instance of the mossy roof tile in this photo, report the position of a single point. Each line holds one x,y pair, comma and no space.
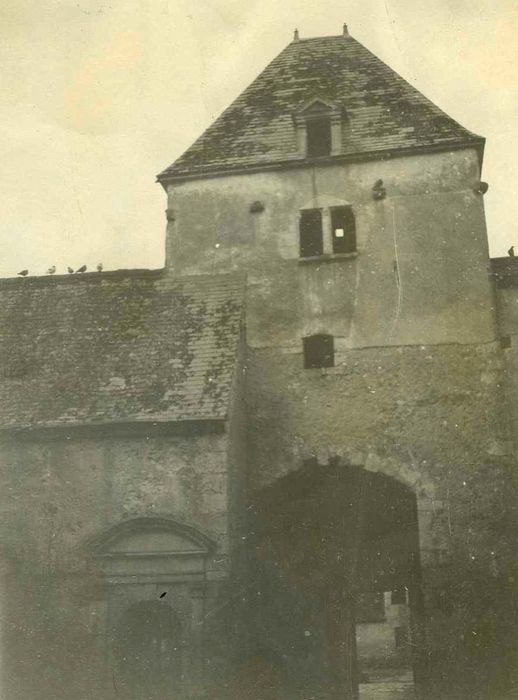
117,347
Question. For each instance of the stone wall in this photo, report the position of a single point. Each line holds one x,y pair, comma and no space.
435,419
420,275
58,496
417,388
507,308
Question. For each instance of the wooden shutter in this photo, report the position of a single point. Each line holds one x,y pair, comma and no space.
344,230
311,240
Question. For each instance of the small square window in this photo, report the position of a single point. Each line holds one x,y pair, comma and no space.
370,607
344,230
318,351
398,596
318,133
310,230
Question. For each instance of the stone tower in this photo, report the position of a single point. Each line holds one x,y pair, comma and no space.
280,467
373,368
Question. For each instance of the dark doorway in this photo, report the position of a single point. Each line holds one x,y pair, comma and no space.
327,540
148,653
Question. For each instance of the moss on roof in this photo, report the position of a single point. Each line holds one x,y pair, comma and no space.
383,111
117,347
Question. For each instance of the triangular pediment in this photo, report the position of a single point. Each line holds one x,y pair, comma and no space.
316,106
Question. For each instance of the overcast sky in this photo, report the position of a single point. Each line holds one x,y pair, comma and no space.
98,97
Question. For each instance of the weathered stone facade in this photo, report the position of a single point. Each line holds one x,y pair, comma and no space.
64,494
125,485
205,518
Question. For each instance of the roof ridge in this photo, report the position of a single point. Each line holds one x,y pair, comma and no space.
85,276
345,37
110,275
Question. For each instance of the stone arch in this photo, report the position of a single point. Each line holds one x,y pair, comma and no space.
405,471
322,537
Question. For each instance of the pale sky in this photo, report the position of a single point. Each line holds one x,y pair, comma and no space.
98,97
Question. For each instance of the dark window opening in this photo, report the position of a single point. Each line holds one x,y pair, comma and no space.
318,136
319,351
398,596
311,238
370,607
400,637
344,230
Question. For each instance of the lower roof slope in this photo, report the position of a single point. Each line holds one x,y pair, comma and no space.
117,347
383,111
505,271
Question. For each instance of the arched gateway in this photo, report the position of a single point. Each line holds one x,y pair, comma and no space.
335,581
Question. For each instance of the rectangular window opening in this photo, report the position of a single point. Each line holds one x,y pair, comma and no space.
311,238
400,637
370,607
318,136
344,230
398,596
318,351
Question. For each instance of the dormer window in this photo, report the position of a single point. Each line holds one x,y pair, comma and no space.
318,136
319,128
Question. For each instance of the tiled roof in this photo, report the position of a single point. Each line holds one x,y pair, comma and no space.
115,347
384,112
505,271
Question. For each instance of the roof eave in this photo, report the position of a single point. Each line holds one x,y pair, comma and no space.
167,176
115,428
105,275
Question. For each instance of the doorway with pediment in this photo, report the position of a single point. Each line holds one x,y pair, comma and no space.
155,572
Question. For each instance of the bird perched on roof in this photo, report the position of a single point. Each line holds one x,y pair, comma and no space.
70,270
51,270
511,252
81,269
23,273
100,267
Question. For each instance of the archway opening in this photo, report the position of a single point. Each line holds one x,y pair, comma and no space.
335,583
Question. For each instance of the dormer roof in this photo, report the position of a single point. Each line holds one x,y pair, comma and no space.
317,105
385,114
